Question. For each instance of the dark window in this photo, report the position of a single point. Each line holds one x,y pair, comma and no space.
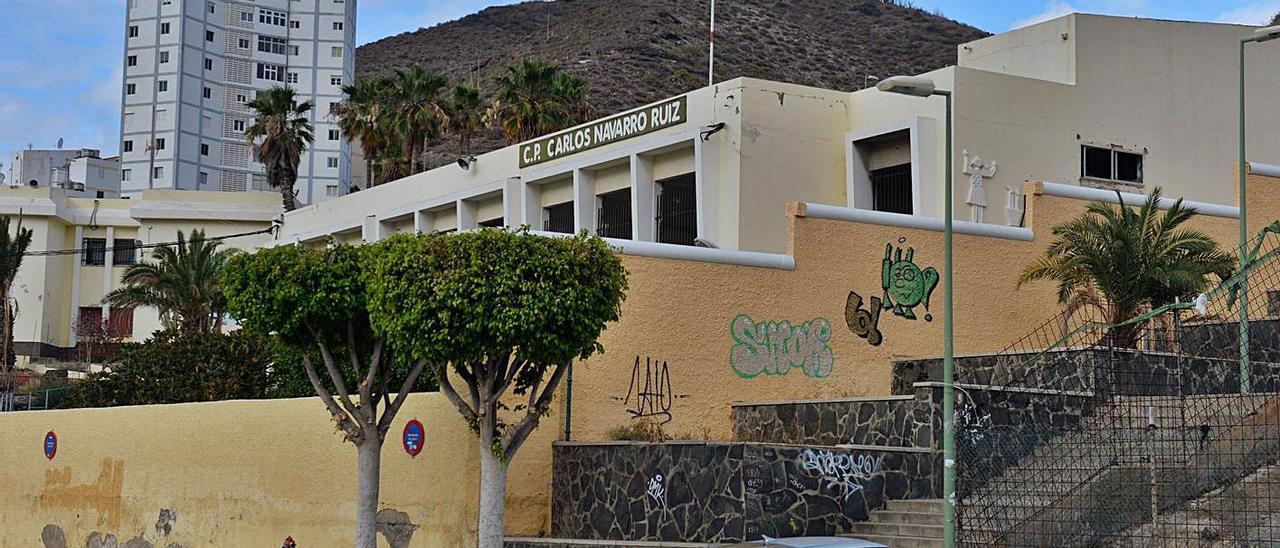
164,28
204,149
1110,164
133,31
124,252
492,223
95,251
128,146
208,36
614,216
677,215
559,218
119,323
891,189
1128,167
1097,163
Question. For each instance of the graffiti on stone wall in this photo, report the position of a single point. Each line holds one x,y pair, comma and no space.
649,395
657,491
906,286
971,423
863,322
775,347
844,473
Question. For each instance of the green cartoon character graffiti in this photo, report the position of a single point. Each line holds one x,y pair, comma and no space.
905,285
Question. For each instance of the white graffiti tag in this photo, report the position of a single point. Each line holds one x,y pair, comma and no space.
970,423
841,472
657,491
773,348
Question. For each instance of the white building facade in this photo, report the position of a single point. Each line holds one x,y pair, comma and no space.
79,172
191,68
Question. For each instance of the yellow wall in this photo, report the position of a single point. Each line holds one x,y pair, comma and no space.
239,473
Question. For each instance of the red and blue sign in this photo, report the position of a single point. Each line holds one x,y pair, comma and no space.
414,437
50,445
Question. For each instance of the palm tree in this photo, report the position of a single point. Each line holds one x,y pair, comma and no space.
279,136
536,97
1123,260
12,248
367,114
183,284
466,115
419,111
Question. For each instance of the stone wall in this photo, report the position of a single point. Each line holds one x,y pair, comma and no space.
898,421
727,492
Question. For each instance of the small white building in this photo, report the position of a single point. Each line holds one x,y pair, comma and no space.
80,172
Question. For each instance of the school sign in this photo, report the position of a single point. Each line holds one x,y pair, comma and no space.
605,131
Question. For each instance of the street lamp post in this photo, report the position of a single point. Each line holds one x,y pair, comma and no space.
924,87
1246,370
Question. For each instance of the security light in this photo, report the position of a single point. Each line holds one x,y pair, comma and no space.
466,161
907,85
1266,33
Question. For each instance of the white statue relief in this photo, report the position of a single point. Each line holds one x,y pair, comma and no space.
977,169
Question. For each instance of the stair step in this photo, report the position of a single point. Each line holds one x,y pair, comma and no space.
898,529
900,541
916,505
907,518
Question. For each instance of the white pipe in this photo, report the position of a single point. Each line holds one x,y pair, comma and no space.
692,253
1269,170
868,216
1109,196
711,52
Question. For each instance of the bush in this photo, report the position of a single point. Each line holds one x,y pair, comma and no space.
176,367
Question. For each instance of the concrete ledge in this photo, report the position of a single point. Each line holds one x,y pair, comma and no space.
853,399
838,213
1269,170
991,388
1109,196
693,253
843,446
559,542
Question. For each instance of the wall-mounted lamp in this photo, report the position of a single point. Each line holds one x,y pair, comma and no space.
466,161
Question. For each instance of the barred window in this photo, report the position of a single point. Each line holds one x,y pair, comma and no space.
559,218
614,214
124,252
94,251
677,215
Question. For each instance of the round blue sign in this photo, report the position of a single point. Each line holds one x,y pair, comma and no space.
413,438
50,445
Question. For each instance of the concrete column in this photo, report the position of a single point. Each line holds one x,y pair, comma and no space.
107,271
706,172
531,202
642,198
513,204
466,215
77,261
422,221
584,201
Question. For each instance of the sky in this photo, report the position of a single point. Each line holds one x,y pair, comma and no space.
60,60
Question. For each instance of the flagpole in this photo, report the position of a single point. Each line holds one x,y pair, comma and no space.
711,54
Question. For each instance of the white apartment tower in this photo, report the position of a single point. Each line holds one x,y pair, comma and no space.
191,67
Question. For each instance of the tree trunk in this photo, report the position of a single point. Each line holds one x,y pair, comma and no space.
369,462
493,497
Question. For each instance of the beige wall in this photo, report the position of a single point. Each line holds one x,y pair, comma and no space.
237,473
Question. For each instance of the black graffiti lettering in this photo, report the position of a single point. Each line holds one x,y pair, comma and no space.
650,392
863,322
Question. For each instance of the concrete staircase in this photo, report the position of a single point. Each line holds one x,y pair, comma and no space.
904,523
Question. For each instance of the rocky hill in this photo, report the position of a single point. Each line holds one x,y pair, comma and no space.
632,52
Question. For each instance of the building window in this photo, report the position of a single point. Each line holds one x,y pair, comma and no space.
124,252
157,173
208,93
243,43
131,61
208,36
335,51
295,25
203,179
333,161
241,98
613,218
1109,164
891,189
334,135
160,143
126,174
133,31
210,7
492,223
208,63
238,125
271,17
128,146
270,72
291,78
293,50
271,44
164,57
331,190
119,323
335,81
246,17
558,218
337,25
164,28
677,215
130,89
95,251
163,85
204,149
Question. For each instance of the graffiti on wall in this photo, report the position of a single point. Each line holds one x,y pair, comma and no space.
864,322
649,395
775,347
840,472
657,491
906,286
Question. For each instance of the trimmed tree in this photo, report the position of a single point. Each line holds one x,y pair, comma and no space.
315,300
503,313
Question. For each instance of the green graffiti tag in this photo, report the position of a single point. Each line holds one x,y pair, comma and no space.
905,285
773,348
